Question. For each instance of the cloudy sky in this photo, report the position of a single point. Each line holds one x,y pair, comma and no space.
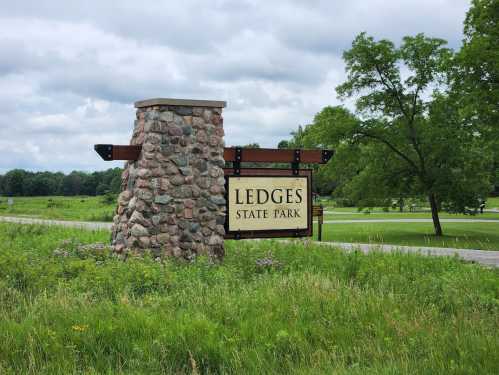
71,70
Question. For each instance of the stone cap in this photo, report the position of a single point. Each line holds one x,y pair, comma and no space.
180,102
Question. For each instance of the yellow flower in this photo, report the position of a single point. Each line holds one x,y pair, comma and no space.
80,328
124,300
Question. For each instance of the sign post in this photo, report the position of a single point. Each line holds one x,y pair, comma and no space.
178,196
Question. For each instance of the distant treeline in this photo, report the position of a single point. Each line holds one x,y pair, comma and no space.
19,182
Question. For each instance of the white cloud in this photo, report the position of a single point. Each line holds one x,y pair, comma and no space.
70,71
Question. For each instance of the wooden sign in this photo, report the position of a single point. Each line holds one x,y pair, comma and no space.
261,203
268,203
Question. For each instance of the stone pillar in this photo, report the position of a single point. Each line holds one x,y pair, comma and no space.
172,200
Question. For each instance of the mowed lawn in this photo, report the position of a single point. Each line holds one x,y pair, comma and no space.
493,202
269,308
483,236
353,215
490,203
60,208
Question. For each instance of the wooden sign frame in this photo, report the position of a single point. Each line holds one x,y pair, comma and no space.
271,233
110,152
238,155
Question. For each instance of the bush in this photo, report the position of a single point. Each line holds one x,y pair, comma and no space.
102,216
109,198
51,203
344,202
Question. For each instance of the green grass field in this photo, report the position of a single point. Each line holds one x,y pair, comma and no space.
353,215
309,310
491,202
484,236
461,235
60,208
94,209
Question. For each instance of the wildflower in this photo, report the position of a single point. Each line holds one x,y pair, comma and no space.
60,253
124,300
80,328
268,262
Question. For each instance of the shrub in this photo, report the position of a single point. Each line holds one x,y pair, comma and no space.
51,203
109,198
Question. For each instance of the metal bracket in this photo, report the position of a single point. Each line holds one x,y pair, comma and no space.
295,165
237,162
326,155
105,151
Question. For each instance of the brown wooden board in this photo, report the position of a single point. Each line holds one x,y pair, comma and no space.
270,233
269,155
318,211
118,152
256,155
126,152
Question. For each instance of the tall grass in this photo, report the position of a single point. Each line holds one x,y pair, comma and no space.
63,208
268,308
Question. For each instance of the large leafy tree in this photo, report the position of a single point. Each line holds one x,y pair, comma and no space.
477,77
476,83
14,182
407,137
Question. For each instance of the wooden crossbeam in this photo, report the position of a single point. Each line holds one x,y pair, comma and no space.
271,155
256,155
118,152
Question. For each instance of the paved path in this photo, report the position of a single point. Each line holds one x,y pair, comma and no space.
102,225
411,221
488,258
485,257
72,224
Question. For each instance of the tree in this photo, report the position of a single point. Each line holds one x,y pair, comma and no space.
115,185
251,145
476,79
14,181
21,182
89,183
38,184
407,137
72,183
284,144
